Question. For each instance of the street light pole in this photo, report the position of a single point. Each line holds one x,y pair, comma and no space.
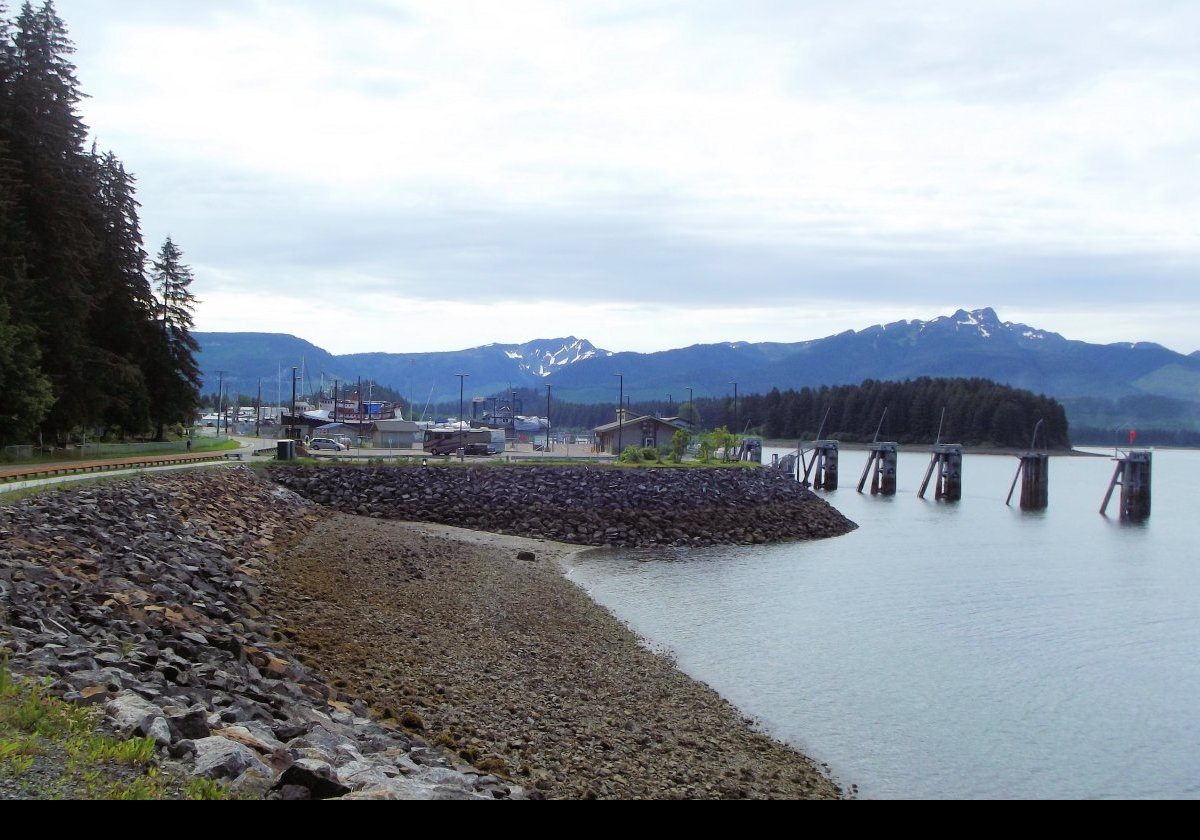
620,412
547,449
461,378
220,400
295,428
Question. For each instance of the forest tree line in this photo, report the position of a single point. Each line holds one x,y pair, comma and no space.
978,412
95,338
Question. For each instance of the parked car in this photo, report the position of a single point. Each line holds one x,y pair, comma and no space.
325,443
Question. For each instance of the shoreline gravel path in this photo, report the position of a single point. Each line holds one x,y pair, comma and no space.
512,666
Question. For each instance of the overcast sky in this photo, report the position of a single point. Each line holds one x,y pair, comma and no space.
411,176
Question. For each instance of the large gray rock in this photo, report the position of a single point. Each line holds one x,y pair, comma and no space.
132,715
220,758
192,723
319,778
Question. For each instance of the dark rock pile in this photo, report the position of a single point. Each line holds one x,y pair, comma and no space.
143,595
587,505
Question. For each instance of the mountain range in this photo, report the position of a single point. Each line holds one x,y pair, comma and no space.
968,343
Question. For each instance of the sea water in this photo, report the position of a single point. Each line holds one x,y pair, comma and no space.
961,649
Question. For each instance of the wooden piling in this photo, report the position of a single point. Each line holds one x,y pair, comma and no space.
883,458
1035,481
1034,473
946,459
823,465
1132,473
787,464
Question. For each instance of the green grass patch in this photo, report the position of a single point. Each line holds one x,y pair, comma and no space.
108,453
52,750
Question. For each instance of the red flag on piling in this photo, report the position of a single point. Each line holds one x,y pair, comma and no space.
1132,435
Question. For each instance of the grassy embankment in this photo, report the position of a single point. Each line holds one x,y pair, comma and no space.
52,749
134,450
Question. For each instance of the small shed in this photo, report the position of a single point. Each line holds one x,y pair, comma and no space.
646,430
396,434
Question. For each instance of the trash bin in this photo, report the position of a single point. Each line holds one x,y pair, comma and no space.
285,450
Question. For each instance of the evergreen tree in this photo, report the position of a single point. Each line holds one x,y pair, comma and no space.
120,330
12,238
25,394
45,136
176,375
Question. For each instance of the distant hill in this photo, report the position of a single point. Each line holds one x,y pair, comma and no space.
965,344
246,358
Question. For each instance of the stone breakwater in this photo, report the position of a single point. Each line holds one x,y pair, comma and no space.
147,596
585,505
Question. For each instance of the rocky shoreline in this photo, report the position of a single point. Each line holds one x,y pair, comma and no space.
295,652
146,596
585,505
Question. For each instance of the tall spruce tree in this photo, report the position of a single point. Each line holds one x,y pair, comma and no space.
175,377
121,308
12,239
25,394
45,136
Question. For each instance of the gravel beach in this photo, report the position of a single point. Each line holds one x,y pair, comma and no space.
294,651
511,666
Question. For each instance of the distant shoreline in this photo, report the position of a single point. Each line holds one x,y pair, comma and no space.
855,446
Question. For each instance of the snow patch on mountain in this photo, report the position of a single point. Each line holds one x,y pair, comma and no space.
543,356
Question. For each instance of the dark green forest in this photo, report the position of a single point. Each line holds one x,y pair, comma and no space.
979,412
95,337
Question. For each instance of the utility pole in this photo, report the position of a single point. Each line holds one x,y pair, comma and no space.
547,449
735,417
295,427
620,411
461,378
692,406
220,400
258,408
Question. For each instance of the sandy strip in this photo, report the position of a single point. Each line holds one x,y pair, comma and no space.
515,668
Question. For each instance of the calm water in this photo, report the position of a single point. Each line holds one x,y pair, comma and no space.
954,650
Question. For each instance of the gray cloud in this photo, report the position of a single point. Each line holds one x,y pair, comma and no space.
911,156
